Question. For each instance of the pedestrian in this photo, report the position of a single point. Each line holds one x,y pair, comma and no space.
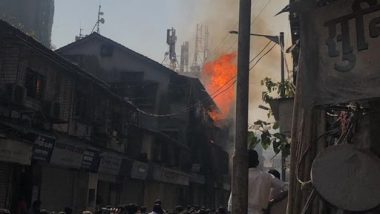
22,207
274,192
157,209
221,210
143,210
68,210
36,208
259,186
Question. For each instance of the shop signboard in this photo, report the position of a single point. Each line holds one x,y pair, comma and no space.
67,155
110,163
90,160
43,148
170,176
139,170
15,151
197,178
339,52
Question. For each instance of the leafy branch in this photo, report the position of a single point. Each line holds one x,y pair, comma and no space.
276,88
266,134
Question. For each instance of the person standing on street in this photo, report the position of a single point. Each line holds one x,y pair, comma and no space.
259,186
36,208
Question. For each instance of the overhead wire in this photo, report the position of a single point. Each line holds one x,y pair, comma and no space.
254,19
262,50
215,94
228,35
266,53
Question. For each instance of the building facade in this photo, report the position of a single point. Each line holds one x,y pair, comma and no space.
95,124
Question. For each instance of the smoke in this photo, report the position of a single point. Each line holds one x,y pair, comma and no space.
221,16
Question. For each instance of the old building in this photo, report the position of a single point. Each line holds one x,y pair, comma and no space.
54,146
172,108
97,124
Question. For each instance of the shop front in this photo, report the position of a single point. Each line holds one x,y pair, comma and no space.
109,182
168,185
70,179
15,172
197,189
135,174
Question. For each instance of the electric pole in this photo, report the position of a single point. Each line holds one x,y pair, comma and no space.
282,92
240,158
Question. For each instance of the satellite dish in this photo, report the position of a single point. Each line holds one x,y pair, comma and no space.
347,177
102,20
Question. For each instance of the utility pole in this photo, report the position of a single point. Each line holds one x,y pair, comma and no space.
282,95
240,158
282,92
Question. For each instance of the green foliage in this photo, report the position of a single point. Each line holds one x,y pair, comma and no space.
268,132
276,87
262,133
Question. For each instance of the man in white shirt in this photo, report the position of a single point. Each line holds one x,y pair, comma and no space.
259,186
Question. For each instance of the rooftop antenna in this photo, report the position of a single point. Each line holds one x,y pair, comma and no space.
205,45
99,21
171,40
80,36
184,62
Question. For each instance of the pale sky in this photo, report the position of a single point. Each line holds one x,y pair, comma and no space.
141,25
138,24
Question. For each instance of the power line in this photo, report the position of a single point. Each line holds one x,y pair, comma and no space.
263,56
262,50
222,43
254,19
215,94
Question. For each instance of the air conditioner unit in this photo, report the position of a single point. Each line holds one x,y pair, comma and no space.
15,94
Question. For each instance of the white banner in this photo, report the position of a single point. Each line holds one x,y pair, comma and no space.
15,151
67,155
110,163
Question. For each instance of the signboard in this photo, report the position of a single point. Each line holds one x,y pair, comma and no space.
67,155
139,170
110,163
43,148
170,176
91,160
197,178
340,49
15,151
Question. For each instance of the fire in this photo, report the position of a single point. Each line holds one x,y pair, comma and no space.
219,76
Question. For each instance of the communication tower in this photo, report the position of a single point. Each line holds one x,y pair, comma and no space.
184,62
100,20
80,36
201,50
171,40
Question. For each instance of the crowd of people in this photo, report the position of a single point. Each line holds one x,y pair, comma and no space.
265,190
158,209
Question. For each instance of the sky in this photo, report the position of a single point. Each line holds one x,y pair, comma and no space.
141,26
138,24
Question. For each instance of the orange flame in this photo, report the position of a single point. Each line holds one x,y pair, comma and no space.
219,76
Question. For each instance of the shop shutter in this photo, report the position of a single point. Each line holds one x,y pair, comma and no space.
4,184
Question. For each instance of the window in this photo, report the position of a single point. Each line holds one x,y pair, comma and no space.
80,105
34,84
106,50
